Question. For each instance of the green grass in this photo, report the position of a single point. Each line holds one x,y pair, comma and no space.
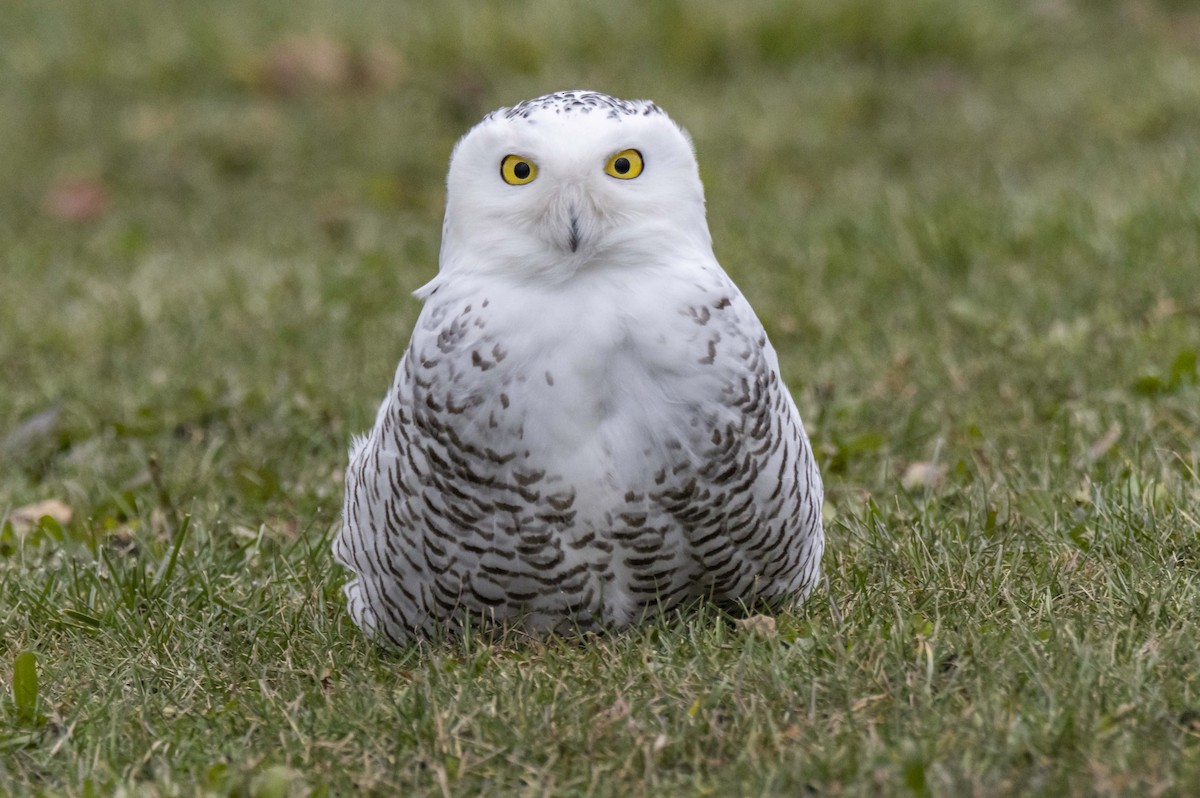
973,233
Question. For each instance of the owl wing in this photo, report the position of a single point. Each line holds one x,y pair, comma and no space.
741,483
447,511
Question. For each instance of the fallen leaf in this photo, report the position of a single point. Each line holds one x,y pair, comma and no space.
25,518
379,66
866,701
945,82
243,532
758,625
76,200
1164,308
897,378
334,216
619,710
300,64
297,64
922,475
285,527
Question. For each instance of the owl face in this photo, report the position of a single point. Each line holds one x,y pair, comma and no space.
570,181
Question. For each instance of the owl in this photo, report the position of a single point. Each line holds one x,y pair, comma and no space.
588,426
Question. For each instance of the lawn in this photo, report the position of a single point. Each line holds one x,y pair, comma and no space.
972,231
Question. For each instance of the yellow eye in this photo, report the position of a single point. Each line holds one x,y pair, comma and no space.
625,165
517,171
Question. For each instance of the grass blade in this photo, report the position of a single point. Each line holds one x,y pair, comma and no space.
25,687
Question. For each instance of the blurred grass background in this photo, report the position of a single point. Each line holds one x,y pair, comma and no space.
971,229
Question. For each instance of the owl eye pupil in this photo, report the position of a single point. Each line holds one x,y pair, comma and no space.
621,166
521,170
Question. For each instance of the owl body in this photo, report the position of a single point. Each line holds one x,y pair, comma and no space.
588,425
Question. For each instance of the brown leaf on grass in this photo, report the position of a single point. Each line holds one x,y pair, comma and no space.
243,532
922,475
944,82
759,626
379,67
288,528
27,517
865,701
334,216
610,716
300,64
76,200
896,380
1164,308
793,732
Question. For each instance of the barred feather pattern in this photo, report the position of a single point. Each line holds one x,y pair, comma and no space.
531,472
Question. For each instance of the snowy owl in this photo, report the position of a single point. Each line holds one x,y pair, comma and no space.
588,426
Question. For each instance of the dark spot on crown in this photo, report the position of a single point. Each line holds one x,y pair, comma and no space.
582,101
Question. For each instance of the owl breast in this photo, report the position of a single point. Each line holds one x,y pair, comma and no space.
580,456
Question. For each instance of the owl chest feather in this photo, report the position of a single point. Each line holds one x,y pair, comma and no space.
582,377
584,458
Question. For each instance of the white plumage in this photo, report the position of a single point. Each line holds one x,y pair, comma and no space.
589,425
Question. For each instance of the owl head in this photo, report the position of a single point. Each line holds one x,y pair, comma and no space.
568,182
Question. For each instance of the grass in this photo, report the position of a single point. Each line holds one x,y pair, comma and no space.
973,233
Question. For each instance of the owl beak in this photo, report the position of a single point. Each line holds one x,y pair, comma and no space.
573,237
